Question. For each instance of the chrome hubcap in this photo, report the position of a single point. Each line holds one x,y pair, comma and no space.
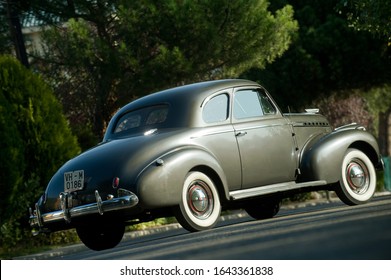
200,199
357,176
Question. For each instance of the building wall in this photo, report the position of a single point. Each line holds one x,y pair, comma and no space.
32,39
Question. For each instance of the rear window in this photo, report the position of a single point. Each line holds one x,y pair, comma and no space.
141,119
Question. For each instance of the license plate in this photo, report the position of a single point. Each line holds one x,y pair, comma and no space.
73,181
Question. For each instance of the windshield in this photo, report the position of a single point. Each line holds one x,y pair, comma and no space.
142,119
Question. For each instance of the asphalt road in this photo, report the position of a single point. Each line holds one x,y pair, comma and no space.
316,232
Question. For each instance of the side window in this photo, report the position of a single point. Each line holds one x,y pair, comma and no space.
247,105
216,109
251,104
267,105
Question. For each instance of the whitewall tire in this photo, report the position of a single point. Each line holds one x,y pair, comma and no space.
358,178
200,206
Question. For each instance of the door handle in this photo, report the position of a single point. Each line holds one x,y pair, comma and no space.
240,133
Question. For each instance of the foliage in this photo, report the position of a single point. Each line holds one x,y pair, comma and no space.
327,56
342,108
4,30
110,52
155,223
37,244
370,108
370,15
298,197
379,98
379,104
35,141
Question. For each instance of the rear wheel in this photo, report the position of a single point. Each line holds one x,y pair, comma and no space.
263,209
200,207
358,178
101,237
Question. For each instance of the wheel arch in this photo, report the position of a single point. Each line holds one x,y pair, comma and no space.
160,184
367,149
323,159
215,177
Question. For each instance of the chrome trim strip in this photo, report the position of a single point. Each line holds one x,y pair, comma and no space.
246,193
212,133
64,206
259,126
311,124
124,202
39,216
346,126
99,202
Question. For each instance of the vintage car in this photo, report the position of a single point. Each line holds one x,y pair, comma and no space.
198,149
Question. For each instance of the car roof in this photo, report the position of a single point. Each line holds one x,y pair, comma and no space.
182,98
194,91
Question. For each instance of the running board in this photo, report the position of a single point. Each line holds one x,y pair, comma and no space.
269,189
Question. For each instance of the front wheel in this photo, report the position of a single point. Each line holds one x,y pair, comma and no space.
200,207
101,237
358,178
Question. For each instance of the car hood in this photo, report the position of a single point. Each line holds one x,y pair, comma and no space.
123,158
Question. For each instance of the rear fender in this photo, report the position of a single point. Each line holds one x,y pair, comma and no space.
323,159
160,183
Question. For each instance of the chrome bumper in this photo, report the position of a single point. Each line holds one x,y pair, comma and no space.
39,220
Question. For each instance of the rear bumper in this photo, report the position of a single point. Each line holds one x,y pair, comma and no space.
40,221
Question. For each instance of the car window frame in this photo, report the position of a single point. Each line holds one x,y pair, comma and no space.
208,100
228,93
261,91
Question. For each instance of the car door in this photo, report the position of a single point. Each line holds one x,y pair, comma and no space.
264,138
218,136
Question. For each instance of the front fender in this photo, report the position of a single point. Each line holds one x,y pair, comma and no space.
160,183
323,160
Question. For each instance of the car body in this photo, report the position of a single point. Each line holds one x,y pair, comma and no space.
194,150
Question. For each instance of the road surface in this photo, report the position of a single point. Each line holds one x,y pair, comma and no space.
316,232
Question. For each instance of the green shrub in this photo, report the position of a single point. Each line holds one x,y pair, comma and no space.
35,140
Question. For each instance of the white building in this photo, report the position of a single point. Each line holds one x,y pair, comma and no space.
31,29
